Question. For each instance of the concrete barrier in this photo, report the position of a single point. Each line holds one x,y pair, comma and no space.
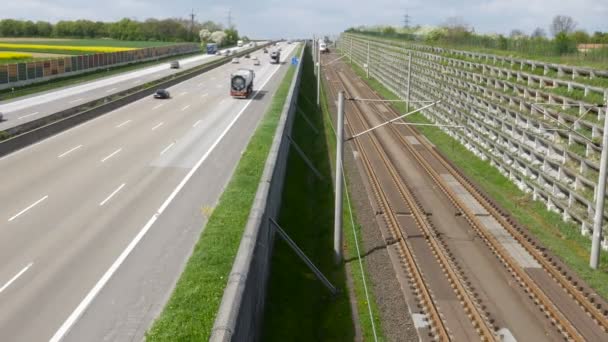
241,311
36,130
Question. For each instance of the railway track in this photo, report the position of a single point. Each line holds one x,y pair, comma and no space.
574,313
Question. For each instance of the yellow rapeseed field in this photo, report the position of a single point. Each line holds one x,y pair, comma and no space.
14,55
50,48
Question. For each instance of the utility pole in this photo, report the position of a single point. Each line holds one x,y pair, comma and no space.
339,180
409,80
192,15
406,20
229,18
598,220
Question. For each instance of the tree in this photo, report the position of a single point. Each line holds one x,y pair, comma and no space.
389,30
562,24
218,37
204,35
563,43
232,36
539,33
580,37
517,34
457,30
503,42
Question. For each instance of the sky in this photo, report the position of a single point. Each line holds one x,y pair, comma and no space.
298,19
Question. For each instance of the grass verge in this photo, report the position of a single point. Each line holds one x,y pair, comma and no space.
297,301
562,239
190,312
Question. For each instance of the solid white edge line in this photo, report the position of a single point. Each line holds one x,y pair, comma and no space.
155,127
67,325
15,277
77,100
112,195
124,123
68,152
111,155
166,148
110,90
28,208
25,116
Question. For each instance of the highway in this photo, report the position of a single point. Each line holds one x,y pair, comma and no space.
97,222
29,108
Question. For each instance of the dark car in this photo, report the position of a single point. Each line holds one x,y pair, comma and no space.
247,56
162,94
265,50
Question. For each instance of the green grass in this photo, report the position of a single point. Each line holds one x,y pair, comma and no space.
190,312
20,60
297,301
6,94
91,42
561,238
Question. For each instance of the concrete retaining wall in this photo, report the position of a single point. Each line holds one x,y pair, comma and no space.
527,143
240,314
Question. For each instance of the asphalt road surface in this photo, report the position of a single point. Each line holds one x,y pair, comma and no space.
29,108
96,223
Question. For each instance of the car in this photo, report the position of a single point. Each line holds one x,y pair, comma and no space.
265,50
235,60
256,62
1,117
218,53
247,55
175,65
227,53
162,94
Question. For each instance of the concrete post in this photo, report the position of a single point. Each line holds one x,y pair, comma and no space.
351,50
338,194
598,220
409,80
367,60
318,77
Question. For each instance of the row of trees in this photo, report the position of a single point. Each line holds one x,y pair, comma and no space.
172,29
455,31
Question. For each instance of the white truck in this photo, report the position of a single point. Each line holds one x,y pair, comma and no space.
239,43
241,83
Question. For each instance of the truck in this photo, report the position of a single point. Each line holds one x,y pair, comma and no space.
211,48
323,46
275,57
241,83
239,43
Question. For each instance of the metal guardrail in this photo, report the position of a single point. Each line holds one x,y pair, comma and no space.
240,314
36,130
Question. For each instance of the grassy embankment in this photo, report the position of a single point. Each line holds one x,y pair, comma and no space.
563,239
190,312
299,307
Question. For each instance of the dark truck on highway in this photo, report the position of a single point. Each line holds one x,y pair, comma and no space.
275,57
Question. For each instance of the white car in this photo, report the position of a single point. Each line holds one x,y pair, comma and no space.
235,60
